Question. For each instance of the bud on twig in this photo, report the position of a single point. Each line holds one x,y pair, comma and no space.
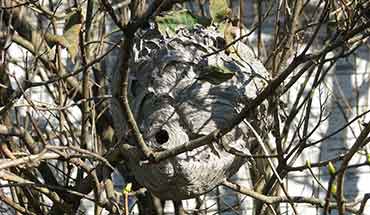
331,168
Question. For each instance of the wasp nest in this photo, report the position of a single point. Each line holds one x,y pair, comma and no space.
180,90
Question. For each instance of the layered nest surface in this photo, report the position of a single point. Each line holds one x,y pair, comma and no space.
180,91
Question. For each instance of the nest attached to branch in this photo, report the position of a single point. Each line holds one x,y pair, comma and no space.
177,94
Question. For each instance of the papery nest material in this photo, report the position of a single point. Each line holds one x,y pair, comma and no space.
175,101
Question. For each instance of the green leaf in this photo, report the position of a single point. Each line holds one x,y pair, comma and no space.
368,158
333,188
214,74
71,32
127,188
308,163
204,20
219,9
171,21
331,168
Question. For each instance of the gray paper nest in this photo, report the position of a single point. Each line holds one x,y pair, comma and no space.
174,105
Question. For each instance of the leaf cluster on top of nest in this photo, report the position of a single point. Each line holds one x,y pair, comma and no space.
171,21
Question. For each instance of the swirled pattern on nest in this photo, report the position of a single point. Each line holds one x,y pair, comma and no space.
175,100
